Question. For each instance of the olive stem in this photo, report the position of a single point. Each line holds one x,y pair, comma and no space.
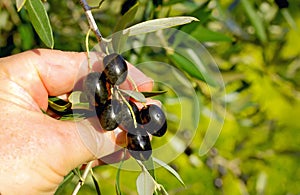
130,108
133,83
83,177
91,20
88,49
157,185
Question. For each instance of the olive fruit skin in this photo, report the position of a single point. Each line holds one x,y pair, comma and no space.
115,68
154,120
139,146
94,87
107,116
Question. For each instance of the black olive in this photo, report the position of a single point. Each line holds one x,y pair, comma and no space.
107,117
154,120
115,68
139,146
94,87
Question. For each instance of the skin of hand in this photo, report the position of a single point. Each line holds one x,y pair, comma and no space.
36,150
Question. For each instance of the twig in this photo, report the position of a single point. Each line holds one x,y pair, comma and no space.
83,177
88,13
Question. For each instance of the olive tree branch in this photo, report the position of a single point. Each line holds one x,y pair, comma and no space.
91,20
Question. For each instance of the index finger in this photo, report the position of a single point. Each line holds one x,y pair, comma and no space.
44,72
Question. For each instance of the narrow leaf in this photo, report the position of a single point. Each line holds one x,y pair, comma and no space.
145,184
67,179
206,35
40,21
135,95
149,165
255,20
186,65
96,183
118,38
126,18
117,184
74,97
20,4
158,24
152,93
170,169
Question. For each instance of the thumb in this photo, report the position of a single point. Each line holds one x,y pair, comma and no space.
85,141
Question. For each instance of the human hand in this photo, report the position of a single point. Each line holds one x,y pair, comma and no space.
37,151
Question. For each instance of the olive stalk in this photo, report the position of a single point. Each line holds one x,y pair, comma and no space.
91,20
83,177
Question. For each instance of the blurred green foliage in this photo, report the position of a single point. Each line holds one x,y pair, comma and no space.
257,48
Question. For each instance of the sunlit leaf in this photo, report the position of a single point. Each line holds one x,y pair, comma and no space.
40,21
135,95
158,24
170,169
20,4
145,184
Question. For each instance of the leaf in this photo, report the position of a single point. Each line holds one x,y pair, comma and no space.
40,21
126,18
58,104
206,35
20,4
118,38
67,179
170,169
158,24
149,165
186,65
117,184
255,20
189,61
152,93
74,97
135,95
145,184
95,183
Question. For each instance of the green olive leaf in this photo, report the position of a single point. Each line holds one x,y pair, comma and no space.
152,93
96,184
170,169
20,4
145,184
67,179
255,19
118,38
135,95
126,18
40,21
158,24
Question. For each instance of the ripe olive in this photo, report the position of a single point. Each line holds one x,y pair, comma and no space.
154,120
107,116
115,68
139,146
94,87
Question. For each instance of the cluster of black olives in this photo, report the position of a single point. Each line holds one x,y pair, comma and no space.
113,110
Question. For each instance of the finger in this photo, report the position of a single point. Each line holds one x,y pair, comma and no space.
51,72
